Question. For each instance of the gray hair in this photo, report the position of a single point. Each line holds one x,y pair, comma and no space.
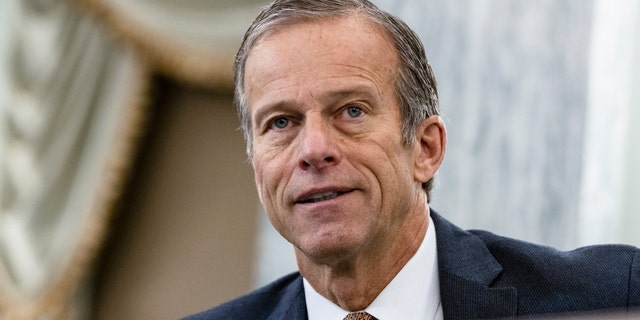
415,85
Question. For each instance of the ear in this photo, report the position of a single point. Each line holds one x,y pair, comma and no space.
431,141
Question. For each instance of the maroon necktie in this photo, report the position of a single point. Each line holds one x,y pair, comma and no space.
361,315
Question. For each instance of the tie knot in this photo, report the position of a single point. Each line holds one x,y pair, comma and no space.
361,315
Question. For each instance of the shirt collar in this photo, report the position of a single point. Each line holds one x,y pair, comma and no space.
414,293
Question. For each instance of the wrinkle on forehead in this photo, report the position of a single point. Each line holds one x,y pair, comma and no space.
351,25
314,59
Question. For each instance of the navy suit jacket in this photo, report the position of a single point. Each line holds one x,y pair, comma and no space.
483,275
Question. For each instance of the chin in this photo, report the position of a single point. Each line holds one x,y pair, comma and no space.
329,251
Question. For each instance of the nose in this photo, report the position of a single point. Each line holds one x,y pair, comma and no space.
318,146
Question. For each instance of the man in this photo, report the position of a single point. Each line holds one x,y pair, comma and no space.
340,112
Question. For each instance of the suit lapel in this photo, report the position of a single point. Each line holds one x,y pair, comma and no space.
292,305
467,269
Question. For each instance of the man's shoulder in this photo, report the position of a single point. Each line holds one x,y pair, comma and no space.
460,252
505,248
601,275
259,304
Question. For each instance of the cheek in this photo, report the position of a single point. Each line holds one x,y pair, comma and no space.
264,180
395,174
270,180
270,176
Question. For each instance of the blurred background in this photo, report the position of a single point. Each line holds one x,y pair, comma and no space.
124,188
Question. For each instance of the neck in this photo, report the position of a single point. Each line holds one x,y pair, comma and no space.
354,283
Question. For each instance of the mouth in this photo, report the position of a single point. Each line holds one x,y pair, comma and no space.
321,196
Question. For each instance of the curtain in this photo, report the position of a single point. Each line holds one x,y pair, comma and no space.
73,91
71,107
194,41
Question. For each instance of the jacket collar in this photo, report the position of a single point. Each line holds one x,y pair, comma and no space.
292,305
467,270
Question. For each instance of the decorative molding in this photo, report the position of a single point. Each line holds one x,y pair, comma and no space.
204,60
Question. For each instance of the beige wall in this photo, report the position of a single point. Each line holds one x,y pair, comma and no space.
183,239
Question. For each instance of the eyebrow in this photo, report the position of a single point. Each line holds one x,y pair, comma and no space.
369,92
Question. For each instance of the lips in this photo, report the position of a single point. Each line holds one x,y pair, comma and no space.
317,196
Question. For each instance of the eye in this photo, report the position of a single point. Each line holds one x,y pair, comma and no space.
354,111
280,123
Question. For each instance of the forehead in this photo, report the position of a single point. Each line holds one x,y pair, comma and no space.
320,50
353,32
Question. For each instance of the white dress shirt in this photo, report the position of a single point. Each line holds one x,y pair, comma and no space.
413,294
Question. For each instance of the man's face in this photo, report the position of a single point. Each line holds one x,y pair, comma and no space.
329,163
